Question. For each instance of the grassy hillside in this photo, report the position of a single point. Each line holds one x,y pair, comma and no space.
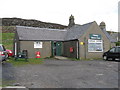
10,23
7,40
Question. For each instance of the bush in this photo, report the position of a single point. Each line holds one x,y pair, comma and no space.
117,43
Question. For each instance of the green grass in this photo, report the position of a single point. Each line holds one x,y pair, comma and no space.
21,62
74,59
7,40
6,83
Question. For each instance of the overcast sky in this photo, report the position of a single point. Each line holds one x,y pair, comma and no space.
58,11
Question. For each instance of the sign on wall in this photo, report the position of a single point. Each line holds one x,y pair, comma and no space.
37,44
95,36
95,45
81,43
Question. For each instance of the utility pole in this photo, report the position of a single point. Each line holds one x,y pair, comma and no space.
85,47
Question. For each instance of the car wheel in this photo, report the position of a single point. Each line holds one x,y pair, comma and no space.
105,58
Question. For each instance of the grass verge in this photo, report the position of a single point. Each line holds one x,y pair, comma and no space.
74,59
20,62
6,83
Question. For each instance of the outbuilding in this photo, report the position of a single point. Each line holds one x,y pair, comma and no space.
86,41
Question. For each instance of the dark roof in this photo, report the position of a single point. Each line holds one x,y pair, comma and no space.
77,31
108,36
31,33
72,33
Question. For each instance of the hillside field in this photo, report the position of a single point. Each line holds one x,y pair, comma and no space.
7,40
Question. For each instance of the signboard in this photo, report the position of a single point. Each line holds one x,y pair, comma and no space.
37,44
95,45
95,36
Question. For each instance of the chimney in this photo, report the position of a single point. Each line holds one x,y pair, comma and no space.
71,21
102,26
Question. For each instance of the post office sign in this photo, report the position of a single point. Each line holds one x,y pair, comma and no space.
95,36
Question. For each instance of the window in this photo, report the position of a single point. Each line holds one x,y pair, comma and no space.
2,48
95,45
112,50
37,44
118,49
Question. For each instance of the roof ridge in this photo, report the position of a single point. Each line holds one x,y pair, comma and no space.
88,23
26,27
85,23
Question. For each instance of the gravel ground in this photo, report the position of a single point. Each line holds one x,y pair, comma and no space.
65,74
8,74
0,74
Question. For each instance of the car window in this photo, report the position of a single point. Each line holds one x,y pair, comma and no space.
112,50
4,48
1,49
118,49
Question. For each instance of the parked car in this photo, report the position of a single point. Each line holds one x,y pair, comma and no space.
10,53
113,53
3,53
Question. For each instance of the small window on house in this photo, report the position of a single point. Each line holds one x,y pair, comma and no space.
37,44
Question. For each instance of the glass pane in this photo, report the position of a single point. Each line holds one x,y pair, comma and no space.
1,48
118,49
112,50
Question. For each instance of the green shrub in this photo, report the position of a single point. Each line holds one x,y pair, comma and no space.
117,43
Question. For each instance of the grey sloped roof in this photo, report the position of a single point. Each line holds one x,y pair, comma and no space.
108,36
76,31
31,33
114,36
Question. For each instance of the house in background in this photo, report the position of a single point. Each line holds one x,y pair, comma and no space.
115,36
86,41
